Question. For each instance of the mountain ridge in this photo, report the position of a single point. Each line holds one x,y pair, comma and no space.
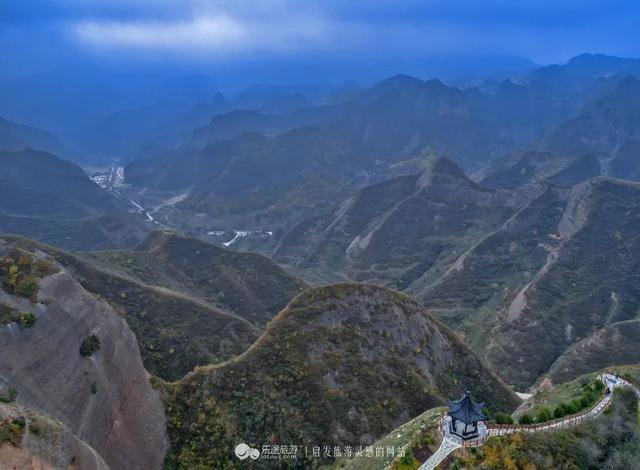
177,327
311,344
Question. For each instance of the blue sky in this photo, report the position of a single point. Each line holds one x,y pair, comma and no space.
230,30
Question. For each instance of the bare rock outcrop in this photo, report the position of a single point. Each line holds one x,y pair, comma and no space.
103,396
43,443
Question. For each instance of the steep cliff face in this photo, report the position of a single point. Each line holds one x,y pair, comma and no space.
71,356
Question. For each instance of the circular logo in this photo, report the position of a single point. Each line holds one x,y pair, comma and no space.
242,451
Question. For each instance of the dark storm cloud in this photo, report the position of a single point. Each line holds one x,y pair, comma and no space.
228,30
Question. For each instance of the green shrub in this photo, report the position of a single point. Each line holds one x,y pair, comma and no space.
42,268
526,419
407,461
590,394
609,442
544,414
15,277
19,273
27,319
8,396
90,345
26,286
569,409
503,418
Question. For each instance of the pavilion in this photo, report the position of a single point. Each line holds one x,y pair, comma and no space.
465,415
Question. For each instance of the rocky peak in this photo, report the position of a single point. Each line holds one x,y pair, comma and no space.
443,172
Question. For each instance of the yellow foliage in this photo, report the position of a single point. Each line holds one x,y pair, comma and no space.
507,461
492,456
517,439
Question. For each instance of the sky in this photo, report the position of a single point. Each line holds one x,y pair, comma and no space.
37,34
68,64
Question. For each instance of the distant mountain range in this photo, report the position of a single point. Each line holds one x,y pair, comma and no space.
360,194
507,134
15,136
601,139
53,200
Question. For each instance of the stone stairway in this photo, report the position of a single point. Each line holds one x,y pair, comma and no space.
450,443
447,446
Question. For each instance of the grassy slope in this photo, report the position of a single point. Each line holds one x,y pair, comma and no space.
574,298
406,436
246,284
468,299
553,396
399,232
395,237
593,284
615,344
525,167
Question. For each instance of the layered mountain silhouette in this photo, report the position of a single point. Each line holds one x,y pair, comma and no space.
253,167
15,136
53,200
402,230
602,139
559,271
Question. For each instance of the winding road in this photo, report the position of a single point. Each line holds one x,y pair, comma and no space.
450,442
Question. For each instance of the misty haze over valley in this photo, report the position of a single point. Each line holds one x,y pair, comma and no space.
337,235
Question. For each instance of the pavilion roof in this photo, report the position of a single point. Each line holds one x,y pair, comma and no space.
466,410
